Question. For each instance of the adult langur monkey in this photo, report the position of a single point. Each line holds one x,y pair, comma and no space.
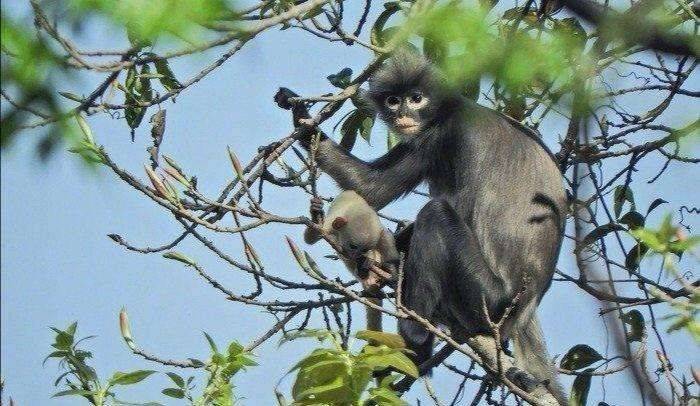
493,227
365,245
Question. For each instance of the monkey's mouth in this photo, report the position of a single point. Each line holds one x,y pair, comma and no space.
408,128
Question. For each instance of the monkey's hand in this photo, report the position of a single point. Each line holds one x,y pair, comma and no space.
301,119
282,98
316,210
372,274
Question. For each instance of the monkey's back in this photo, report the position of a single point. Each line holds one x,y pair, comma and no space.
512,182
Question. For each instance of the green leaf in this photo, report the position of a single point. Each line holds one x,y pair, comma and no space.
63,339
211,342
71,329
376,338
632,219
144,89
341,79
380,358
167,79
601,232
71,96
580,356
680,246
392,139
352,124
579,390
133,113
324,375
378,35
246,361
434,49
656,203
334,390
55,354
388,380
366,128
313,12
512,13
635,255
130,79
179,257
85,128
649,239
622,194
316,356
73,392
635,320
360,377
177,379
196,363
129,378
173,393
234,349
320,334
572,29
385,397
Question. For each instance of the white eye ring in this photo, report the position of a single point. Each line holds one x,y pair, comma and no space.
392,102
416,101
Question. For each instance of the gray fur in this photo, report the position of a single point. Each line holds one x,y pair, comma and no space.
531,355
364,241
495,222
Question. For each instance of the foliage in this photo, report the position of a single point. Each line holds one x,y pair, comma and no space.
148,21
336,375
31,67
522,61
669,242
81,380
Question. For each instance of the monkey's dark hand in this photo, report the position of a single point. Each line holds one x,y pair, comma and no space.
282,98
316,210
304,131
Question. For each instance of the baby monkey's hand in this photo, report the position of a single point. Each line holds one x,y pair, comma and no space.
316,210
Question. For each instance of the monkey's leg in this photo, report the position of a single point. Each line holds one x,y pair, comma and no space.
446,277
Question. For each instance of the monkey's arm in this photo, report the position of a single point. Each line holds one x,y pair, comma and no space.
379,182
311,236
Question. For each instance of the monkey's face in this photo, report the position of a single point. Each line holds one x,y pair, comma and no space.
405,113
407,93
354,237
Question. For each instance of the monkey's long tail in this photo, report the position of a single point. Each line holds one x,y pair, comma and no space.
531,355
374,317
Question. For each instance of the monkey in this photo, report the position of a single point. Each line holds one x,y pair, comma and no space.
493,227
365,244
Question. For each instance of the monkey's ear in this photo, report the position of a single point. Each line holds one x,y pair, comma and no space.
339,222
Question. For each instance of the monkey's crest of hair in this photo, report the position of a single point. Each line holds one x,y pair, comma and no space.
404,70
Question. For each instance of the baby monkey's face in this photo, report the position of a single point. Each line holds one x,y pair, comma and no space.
369,272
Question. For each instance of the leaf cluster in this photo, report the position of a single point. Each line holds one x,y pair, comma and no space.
80,379
336,375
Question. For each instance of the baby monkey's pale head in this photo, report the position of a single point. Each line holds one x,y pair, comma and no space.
404,92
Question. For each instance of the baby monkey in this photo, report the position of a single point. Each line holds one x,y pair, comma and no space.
368,248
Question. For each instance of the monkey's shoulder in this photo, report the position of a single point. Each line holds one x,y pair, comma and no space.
504,130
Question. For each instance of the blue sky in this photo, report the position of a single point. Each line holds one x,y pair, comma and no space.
58,265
